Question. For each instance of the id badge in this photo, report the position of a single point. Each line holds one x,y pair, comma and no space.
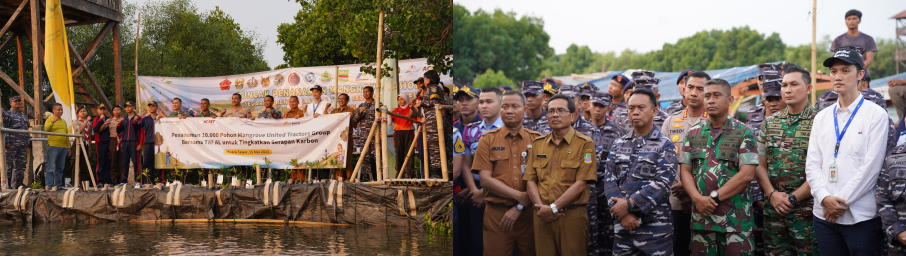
523,170
832,172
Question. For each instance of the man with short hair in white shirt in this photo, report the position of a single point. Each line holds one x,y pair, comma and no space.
846,150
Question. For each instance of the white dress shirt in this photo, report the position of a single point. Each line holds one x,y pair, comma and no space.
859,161
315,107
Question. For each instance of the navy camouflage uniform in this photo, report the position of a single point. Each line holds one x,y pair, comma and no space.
675,107
16,158
642,168
540,124
275,115
364,121
891,198
436,95
600,239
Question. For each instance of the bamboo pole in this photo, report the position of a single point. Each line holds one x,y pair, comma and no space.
385,148
409,154
814,52
90,171
402,117
138,29
378,160
358,165
75,178
442,142
425,164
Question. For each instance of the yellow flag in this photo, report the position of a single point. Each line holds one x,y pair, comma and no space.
56,58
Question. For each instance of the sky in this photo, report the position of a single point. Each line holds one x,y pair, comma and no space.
645,25
259,16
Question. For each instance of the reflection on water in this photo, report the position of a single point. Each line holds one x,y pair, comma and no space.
214,239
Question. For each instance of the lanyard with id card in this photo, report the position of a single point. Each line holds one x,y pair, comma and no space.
833,170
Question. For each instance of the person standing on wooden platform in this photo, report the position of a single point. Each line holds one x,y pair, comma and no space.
16,143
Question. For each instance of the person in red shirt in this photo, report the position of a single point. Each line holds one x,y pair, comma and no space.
403,134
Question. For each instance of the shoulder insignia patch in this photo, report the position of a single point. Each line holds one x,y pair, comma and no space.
587,158
459,147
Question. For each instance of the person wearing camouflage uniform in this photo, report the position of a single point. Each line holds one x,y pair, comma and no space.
535,114
436,96
782,151
711,155
891,191
637,175
363,117
177,110
585,92
16,143
600,239
755,116
617,85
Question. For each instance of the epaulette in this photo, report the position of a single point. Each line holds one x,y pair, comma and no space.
474,123
541,137
583,136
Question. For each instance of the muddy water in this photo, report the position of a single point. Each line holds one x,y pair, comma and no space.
215,239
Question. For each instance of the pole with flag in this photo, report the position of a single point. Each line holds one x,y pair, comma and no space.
59,73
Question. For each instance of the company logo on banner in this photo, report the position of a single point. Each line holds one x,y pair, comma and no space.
194,143
281,84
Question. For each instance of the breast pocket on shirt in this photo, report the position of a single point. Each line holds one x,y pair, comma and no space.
855,145
539,165
647,166
569,169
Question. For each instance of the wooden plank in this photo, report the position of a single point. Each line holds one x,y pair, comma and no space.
13,18
6,42
92,48
93,8
17,88
37,57
117,65
21,59
94,83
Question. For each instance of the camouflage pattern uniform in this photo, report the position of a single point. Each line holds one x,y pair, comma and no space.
540,124
600,233
646,81
675,107
436,95
676,128
714,160
16,158
616,112
364,121
642,169
783,140
276,115
890,195
659,120
180,112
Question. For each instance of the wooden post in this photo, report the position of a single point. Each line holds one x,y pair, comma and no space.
378,90
814,52
138,29
358,165
5,181
384,146
258,173
90,172
425,163
75,178
36,60
21,57
378,164
409,154
117,66
442,142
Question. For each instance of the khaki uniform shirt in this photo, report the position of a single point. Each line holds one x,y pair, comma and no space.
675,128
502,154
557,167
238,113
342,109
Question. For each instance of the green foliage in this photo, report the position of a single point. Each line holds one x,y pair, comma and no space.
35,185
146,173
331,32
498,41
295,162
176,40
440,226
491,79
884,63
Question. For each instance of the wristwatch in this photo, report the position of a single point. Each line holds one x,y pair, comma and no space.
714,195
554,208
519,207
793,199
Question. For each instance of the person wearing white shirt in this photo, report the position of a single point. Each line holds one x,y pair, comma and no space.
317,106
846,150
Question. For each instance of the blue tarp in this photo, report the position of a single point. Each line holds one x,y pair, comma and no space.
882,82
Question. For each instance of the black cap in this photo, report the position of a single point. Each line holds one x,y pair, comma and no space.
867,77
505,88
846,55
318,87
683,75
420,80
129,103
152,103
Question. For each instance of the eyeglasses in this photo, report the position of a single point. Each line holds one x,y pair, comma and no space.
561,112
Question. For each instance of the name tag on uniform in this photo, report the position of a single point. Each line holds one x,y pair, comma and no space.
541,155
498,148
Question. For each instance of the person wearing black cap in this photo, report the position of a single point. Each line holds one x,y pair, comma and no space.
128,129
550,89
845,155
618,84
16,143
317,105
146,142
680,84
600,221
755,115
855,38
535,114
101,126
468,230
586,90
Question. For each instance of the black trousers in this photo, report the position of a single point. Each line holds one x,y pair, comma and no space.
148,163
102,148
402,140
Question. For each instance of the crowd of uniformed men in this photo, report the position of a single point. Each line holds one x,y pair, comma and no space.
588,170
